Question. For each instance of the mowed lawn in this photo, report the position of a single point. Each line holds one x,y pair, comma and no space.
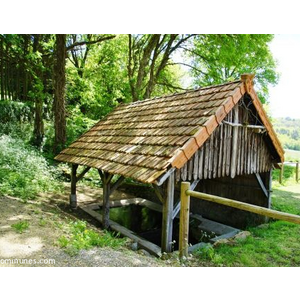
274,244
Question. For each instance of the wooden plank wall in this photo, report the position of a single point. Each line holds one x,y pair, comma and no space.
242,188
214,158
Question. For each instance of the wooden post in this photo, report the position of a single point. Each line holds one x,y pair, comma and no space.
270,189
297,171
268,185
106,178
105,207
73,197
281,173
235,132
184,220
167,222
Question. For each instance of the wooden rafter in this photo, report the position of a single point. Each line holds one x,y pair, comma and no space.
159,193
117,184
81,175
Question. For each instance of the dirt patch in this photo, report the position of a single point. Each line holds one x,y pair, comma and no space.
46,217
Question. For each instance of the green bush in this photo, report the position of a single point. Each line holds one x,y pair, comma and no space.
13,111
23,171
16,119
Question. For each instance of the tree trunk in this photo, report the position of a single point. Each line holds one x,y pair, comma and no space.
24,69
38,131
59,79
2,68
6,92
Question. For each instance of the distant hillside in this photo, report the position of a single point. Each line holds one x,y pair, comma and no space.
288,131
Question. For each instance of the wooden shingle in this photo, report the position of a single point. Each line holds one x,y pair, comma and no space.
143,139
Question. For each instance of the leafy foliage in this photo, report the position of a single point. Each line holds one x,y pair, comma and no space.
80,237
13,111
21,226
218,58
23,171
103,83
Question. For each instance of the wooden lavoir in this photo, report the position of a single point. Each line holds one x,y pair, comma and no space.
218,137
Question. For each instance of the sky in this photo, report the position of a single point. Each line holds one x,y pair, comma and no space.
284,98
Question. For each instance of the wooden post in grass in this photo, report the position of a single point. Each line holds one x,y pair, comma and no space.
281,173
184,220
297,171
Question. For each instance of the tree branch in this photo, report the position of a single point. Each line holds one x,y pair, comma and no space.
101,39
189,66
173,87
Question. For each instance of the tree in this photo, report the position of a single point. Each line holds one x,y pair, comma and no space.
104,80
148,57
220,58
78,46
59,82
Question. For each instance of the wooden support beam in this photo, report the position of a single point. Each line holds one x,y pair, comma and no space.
80,176
270,189
108,176
176,210
234,142
167,223
158,192
73,197
194,184
101,175
126,202
117,184
244,126
144,244
184,220
106,179
105,207
261,184
164,177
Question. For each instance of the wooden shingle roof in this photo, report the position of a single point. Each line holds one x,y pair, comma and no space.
143,139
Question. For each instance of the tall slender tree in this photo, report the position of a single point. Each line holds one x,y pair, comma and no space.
1,67
59,81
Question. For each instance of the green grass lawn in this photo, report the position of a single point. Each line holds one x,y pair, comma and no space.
277,244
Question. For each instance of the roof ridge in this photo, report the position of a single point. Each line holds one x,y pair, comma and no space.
181,93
